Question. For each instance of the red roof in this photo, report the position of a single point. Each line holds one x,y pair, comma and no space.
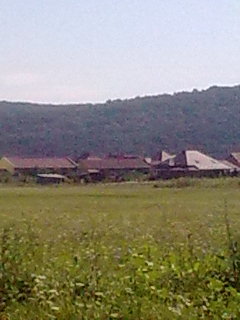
43,163
112,163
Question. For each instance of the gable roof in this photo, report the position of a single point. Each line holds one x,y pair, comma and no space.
231,165
114,163
236,155
198,160
162,156
43,163
234,158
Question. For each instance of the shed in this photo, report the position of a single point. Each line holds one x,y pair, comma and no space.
47,178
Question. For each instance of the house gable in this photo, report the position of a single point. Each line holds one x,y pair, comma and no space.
6,164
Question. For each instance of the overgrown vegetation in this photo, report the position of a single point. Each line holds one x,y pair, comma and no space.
120,252
207,120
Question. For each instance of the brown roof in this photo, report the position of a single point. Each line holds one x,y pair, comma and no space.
112,163
43,163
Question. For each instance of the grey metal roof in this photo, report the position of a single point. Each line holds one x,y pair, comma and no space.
204,162
236,156
51,175
196,159
233,166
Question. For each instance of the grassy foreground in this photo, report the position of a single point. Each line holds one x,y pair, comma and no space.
165,251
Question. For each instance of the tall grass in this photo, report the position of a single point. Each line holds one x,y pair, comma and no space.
199,182
93,279
120,253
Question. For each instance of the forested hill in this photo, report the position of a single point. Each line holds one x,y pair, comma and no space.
208,120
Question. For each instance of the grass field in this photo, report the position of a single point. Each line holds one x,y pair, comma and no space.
127,251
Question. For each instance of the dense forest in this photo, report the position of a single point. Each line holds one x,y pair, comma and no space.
208,120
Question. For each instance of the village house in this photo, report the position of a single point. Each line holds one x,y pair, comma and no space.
190,163
113,167
33,166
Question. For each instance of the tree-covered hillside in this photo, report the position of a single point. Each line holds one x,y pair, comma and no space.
208,120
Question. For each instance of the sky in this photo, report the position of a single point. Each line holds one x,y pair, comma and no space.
73,51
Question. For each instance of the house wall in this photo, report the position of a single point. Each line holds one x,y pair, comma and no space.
49,180
6,165
34,171
170,174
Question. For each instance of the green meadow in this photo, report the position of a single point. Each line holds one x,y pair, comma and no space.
162,250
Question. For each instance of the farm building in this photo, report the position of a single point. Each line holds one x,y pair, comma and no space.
113,167
234,158
50,178
190,163
32,166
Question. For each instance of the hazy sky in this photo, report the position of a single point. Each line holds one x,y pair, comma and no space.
94,50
